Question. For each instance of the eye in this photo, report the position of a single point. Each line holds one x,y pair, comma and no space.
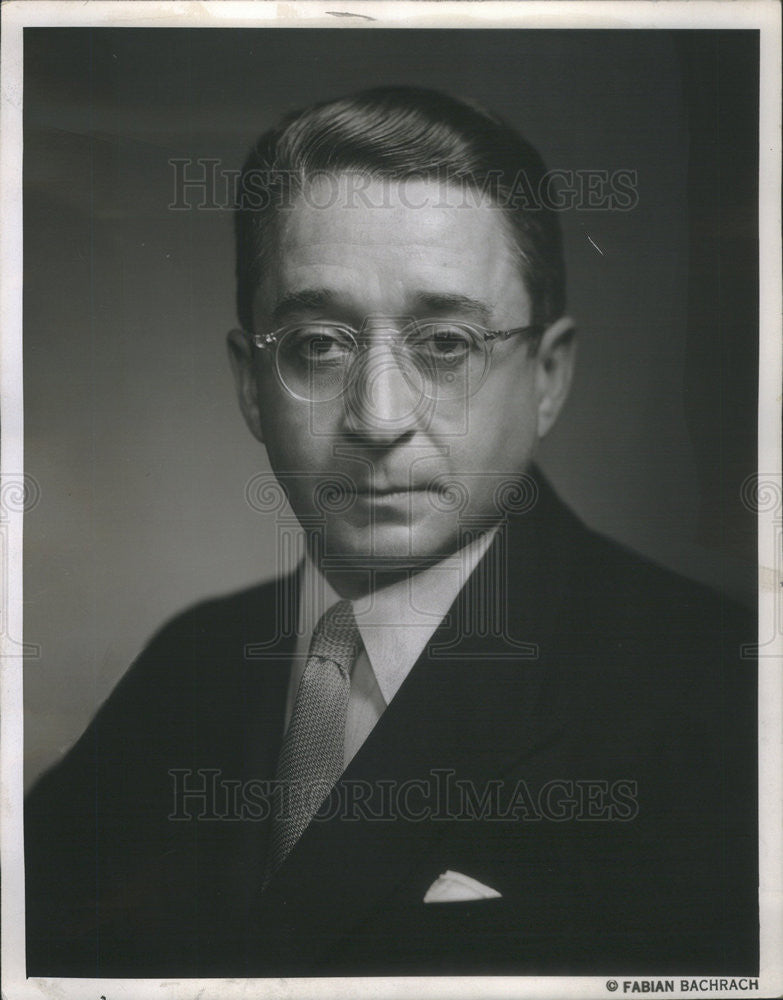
444,343
318,344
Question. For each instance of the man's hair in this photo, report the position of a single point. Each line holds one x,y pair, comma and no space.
400,133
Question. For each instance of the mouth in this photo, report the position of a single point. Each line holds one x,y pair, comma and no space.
391,497
389,492
386,491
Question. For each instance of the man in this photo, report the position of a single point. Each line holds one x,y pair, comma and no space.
467,735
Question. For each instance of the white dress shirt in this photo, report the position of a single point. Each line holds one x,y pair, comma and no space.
395,624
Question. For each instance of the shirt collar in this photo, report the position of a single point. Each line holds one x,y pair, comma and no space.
396,622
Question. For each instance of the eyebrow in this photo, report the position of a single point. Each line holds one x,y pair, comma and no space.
452,302
431,303
305,298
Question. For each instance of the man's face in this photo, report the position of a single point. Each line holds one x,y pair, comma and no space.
408,470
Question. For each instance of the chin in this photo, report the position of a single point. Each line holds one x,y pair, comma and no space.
388,546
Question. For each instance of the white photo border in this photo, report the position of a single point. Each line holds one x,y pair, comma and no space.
762,15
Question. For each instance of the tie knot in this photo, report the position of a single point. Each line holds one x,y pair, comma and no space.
336,636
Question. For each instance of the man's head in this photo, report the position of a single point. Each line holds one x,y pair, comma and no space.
386,244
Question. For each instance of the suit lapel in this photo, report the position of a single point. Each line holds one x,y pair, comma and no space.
268,643
483,695
263,644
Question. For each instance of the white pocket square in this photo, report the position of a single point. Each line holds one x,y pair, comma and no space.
453,887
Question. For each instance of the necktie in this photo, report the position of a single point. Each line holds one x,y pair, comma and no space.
311,757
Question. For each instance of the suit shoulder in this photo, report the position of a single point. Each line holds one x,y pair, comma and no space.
185,652
194,660
611,578
659,653
226,611
632,586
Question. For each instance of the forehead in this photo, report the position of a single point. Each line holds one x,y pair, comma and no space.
379,243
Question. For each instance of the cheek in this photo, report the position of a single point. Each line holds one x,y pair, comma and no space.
499,427
518,424
290,431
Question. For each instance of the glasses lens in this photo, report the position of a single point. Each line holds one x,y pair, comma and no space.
440,360
313,360
451,357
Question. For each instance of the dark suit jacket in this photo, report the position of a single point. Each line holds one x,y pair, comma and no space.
579,734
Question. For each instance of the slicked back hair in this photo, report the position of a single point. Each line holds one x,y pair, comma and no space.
401,133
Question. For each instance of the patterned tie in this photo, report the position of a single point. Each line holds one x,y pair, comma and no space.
311,757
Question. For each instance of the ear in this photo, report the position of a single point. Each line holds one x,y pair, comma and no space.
555,359
240,354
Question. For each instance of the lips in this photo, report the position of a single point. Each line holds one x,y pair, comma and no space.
389,490
397,505
389,493
380,484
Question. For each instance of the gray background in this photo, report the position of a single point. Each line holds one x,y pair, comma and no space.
132,431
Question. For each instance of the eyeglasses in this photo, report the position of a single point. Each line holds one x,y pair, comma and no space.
440,359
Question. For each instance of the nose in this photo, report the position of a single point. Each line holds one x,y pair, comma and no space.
383,398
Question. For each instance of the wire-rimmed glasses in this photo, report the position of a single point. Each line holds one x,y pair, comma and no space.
316,361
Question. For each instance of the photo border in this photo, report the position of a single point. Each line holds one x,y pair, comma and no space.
16,491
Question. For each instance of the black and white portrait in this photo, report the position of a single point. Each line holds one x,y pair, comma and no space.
391,489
